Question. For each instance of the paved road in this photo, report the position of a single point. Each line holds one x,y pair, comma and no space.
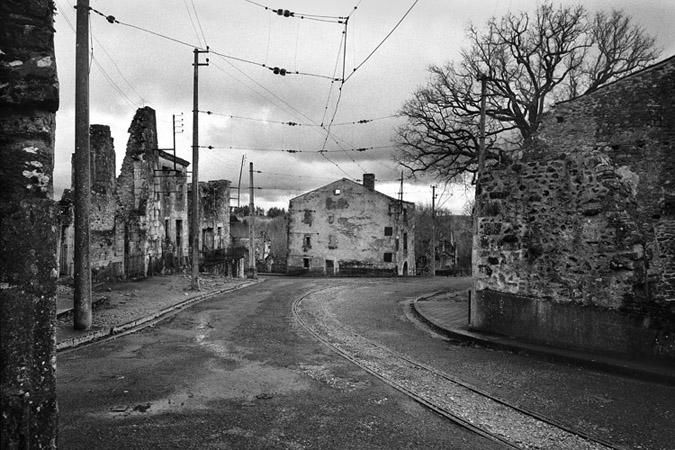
238,371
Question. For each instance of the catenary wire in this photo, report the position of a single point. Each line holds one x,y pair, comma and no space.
358,66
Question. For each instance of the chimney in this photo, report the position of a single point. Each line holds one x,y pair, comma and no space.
369,181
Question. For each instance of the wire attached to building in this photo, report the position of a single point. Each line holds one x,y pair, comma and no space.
291,123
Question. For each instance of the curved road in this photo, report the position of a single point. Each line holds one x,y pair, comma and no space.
239,371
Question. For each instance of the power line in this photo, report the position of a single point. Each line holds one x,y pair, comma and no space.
276,70
192,22
294,150
199,22
108,78
296,124
382,42
292,14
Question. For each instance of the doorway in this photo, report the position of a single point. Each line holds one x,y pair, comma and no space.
330,267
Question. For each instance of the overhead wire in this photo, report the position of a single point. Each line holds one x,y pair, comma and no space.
381,42
293,150
292,14
199,22
95,61
296,124
192,22
276,70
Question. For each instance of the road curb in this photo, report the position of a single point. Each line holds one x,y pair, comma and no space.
551,354
138,324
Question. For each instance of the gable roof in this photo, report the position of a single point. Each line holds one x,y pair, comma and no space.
347,180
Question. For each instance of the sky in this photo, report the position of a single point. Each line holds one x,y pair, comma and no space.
132,68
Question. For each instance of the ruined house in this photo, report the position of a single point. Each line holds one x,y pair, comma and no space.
139,222
453,241
345,228
218,251
576,237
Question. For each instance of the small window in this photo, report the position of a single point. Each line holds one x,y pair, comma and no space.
307,242
305,263
405,242
332,241
388,231
337,192
388,257
397,243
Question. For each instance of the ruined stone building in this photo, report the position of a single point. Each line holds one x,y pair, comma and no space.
576,239
139,220
345,228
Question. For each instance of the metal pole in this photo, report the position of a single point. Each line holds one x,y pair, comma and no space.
194,224
82,267
251,228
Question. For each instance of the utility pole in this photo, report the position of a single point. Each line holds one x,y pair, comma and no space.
195,168
241,169
251,228
433,231
82,182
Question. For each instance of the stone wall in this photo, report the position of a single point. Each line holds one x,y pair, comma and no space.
575,240
139,220
28,268
215,240
345,228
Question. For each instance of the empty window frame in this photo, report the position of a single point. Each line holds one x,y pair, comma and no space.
337,192
332,241
388,257
388,231
307,241
305,263
405,242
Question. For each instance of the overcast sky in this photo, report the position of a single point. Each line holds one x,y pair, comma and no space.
133,68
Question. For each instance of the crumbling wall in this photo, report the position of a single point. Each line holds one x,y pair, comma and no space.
575,239
28,266
214,238
139,204
105,255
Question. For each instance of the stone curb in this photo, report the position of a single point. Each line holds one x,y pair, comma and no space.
549,353
147,320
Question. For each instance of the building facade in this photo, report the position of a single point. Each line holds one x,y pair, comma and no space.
350,229
576,237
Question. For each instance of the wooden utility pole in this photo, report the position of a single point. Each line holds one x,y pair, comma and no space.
251,228
195,169
433,232
82,175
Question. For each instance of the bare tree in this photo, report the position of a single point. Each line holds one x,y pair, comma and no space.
530,61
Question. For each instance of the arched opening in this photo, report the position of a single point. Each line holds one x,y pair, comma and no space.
405,269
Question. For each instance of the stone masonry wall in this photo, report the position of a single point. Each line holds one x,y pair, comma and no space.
576,234
29,98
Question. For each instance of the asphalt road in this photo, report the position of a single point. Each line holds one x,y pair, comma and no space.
237,371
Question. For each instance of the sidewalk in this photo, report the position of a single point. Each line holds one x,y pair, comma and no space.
122,306
447,314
